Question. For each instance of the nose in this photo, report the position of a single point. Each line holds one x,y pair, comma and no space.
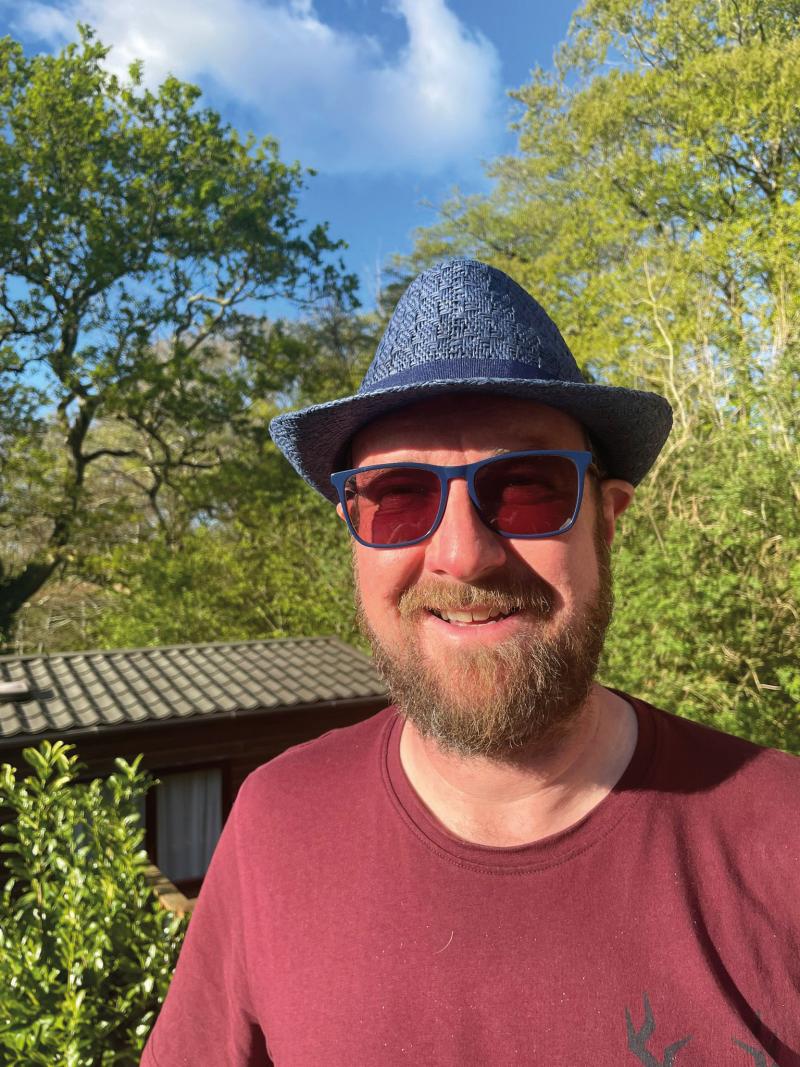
463,547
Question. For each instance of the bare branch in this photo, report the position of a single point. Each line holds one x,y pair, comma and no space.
121,453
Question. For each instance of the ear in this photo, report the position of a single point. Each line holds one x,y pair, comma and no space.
340,511
616,495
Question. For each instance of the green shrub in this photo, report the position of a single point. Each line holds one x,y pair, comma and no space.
86,951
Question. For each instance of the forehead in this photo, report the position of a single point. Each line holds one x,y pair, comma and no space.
476,423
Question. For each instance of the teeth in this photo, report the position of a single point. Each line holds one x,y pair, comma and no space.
474,615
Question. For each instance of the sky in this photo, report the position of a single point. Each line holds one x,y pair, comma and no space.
393,102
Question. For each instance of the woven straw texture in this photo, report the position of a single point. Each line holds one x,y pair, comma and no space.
464,309
463,326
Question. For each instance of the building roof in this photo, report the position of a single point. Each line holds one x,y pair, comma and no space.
79,691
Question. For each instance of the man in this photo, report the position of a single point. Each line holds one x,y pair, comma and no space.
513,864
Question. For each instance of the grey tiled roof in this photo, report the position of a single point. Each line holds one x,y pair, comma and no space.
80,690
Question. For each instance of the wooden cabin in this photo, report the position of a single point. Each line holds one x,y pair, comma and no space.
203,716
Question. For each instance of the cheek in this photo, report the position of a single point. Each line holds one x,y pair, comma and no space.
581,573
568,564
549,558
382,576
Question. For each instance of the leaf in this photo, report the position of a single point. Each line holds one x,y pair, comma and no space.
138,233
85,950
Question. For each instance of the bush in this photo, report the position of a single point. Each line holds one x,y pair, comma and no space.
86,951
707,619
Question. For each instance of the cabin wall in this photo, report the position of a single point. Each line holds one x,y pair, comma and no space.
241,743
235,745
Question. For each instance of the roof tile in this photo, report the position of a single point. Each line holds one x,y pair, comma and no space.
74,690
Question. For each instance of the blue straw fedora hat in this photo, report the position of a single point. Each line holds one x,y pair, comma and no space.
463,326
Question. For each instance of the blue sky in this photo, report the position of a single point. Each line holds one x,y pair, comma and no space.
394,102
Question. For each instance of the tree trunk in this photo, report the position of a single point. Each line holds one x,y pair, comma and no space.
16,591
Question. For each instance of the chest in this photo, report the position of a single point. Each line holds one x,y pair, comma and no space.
404,958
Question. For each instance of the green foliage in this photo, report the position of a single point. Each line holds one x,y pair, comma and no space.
86,952
253,552
652,207
707,589
286,575
137,231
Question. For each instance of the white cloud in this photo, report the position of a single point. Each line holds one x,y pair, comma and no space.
334,98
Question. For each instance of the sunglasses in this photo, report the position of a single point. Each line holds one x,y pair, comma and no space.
517,494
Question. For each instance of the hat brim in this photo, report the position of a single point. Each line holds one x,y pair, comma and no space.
629,426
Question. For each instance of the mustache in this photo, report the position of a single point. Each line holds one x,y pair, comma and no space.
537,599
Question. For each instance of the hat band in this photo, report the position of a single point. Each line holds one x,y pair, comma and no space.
464,369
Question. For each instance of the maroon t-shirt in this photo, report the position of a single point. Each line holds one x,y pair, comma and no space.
341,925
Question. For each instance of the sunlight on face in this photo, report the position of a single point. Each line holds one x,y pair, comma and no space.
492,687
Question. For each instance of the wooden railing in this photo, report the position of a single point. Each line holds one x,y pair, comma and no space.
168,895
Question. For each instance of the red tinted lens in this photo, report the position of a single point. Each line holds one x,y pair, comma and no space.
528,494
391,505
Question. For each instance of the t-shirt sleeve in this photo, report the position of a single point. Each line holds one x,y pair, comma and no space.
207,1016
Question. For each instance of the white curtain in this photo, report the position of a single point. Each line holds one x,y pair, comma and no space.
189,822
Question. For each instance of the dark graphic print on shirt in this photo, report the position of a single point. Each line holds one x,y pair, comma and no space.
639,1039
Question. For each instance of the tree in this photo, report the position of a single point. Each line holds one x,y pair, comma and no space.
139,232
652,206
86,951
275,564
248,551
242,549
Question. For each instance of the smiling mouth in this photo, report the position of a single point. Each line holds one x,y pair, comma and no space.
475,616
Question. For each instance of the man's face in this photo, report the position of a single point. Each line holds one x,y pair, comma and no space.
520,677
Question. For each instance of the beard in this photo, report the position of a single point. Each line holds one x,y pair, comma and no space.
523,693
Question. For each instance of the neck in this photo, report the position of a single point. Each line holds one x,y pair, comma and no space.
538,793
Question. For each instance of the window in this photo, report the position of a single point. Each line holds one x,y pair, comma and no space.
187,822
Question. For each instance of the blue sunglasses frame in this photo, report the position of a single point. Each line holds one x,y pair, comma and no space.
581,460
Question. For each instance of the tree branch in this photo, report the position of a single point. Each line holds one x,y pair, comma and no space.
121,453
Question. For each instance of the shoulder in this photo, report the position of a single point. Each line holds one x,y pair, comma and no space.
726,810
740,781
702,744
332,753
334,769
